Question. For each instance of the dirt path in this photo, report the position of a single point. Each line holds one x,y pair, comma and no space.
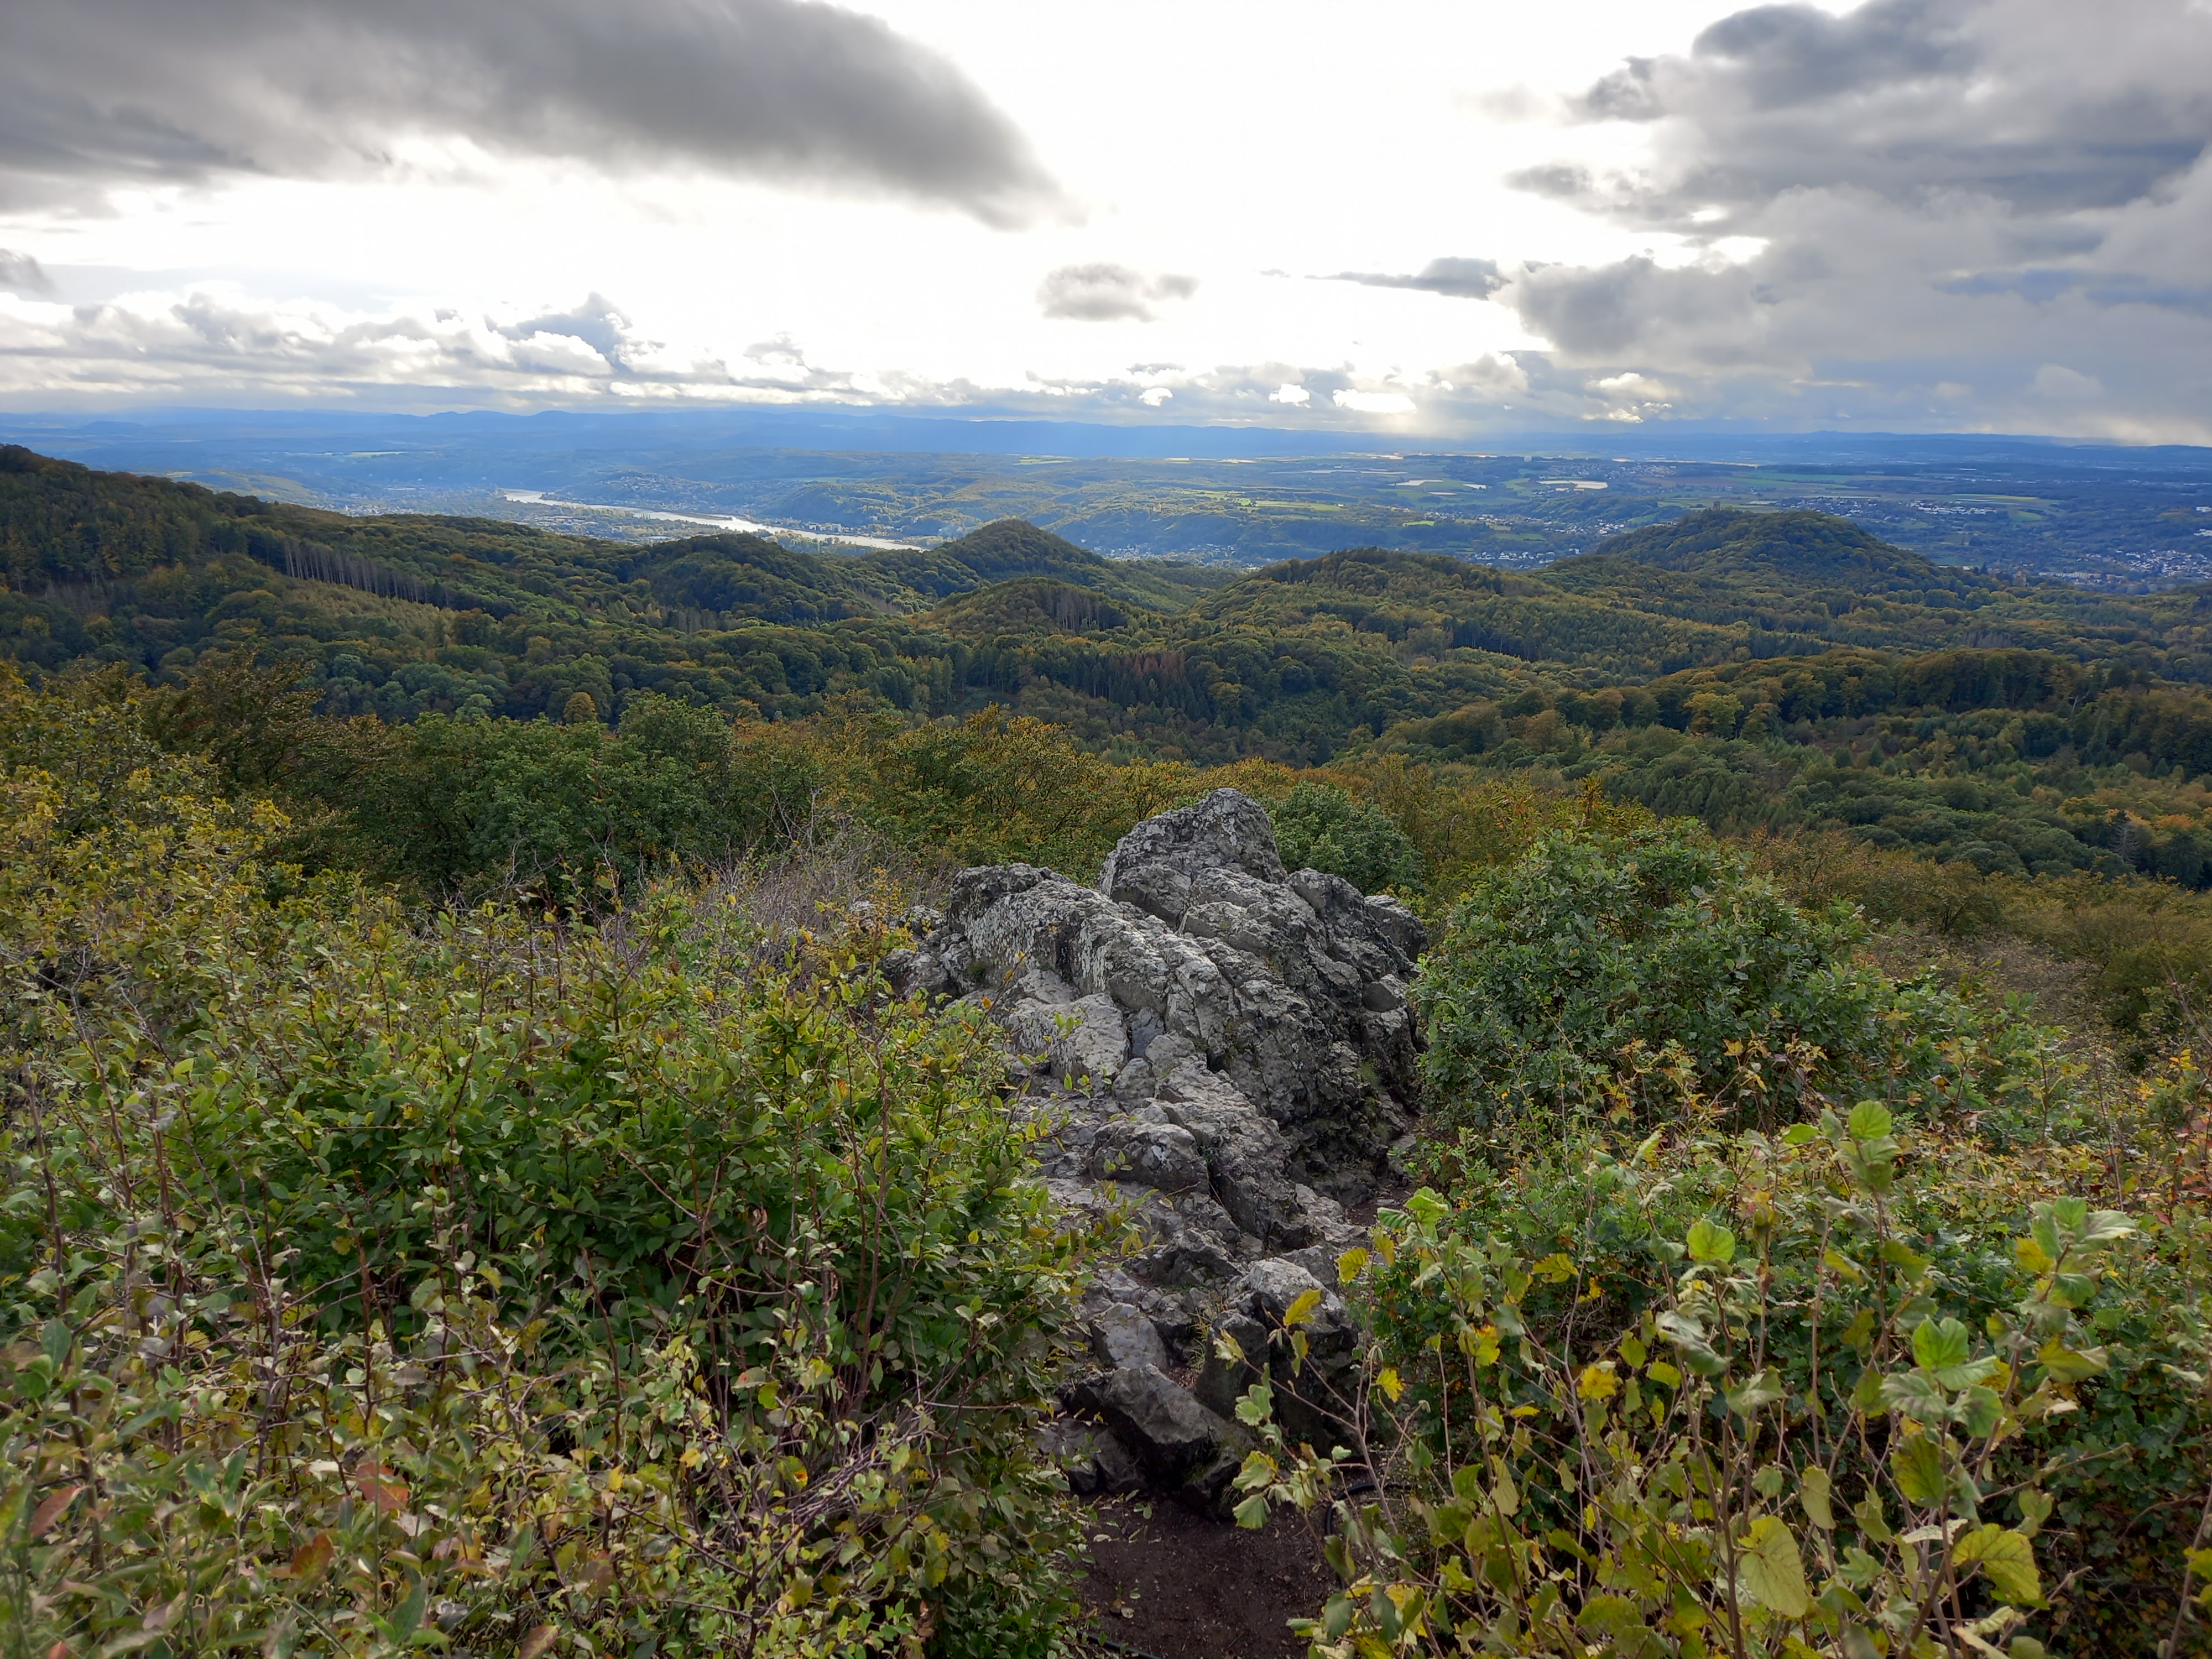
1178,1586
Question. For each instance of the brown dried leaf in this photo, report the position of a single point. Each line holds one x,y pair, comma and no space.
312,1558
50,1510
379,1485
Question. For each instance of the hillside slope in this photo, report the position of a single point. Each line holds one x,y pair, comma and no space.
401,616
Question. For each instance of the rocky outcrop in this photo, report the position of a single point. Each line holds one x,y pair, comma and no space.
1225,1054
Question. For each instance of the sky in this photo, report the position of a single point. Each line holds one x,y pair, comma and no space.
1436,220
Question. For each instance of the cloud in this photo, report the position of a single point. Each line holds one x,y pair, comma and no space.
1374,403
1916,101
2066,385
23,273
1297,397
1871,210
96,94
1110,292
1493,374
216,345
1462,279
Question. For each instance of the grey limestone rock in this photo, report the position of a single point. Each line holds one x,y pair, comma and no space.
1155,864
1182,1445
1122,1336
1223,1053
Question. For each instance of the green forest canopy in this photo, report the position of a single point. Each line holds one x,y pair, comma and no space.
1755,670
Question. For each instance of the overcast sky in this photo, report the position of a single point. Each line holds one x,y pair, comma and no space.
1439,219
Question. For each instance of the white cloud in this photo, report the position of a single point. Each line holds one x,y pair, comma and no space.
1099,293
1374,403
1154,396
1894,212
2066,385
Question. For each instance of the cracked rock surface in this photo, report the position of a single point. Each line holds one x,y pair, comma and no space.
1225,1053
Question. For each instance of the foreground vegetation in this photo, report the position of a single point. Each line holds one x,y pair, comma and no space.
1762,1303
470,1187
374,1278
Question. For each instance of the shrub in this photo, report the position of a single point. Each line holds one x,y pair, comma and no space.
1319,827
1848,1390
372,1280
1628,975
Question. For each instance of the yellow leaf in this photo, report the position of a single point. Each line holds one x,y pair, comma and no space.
2006,1561
1301,1311
1598,1381
1390,1383
1772,1571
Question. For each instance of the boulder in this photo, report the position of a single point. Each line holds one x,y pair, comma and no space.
1124,1339
1153,865
1183,1446
1223,1053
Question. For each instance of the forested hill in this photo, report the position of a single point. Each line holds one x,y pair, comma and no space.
401,615
1755,670
64,525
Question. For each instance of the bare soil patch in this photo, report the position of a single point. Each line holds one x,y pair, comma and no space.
1177,1585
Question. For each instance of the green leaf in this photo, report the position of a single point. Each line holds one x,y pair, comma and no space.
1426,1207
1917,1465
407,1617
2006,1561
1914,1395
2104,1226
1252,1513
1771,1571
1979,1410
1936,1348
1688,1337
1255,1404
1869,1120
1762,1387
1710,1243
2067,1365
1814,1492
1609,1615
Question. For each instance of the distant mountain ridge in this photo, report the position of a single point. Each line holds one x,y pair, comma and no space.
406,615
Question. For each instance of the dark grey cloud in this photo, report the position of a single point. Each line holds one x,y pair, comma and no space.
1991,212
1461,279
99,93
1110,292
2040,107
22,273
1786,55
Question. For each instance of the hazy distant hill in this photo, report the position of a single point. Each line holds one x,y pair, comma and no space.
407,614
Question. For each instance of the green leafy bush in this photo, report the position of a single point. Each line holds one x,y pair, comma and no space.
1319,826
1848,1390
1627,975
372,1280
